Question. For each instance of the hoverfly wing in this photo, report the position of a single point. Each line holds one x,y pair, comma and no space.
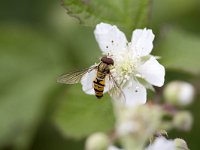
74,77
115,90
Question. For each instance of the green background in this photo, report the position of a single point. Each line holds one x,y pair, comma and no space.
39,41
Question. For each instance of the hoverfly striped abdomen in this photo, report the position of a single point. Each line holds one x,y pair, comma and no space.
99,87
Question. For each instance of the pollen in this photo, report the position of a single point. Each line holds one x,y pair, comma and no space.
125,68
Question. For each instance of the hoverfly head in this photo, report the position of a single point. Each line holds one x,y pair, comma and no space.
106,60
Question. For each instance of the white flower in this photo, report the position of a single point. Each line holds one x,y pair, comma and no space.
132,62
162,143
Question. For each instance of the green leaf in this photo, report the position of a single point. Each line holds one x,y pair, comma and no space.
29,64
177,8
129,14
80,115
49,138
180,51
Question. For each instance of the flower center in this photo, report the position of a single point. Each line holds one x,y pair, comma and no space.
124,67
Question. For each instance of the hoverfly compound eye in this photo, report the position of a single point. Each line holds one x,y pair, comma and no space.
107,60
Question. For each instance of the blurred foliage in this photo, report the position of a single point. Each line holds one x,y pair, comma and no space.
179,56
48,137
74,116
39,41
27,76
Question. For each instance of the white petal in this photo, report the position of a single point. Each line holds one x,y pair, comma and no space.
135,94
162,144
87,82
142,41
153,72
110,38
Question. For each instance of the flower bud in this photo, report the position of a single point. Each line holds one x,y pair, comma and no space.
180,144
97,141
179,93
183,120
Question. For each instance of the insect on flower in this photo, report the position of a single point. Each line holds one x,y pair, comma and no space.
102,73
126,68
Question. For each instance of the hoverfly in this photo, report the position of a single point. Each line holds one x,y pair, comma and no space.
102,71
